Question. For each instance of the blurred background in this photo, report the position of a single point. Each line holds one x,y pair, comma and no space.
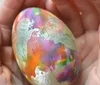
1,1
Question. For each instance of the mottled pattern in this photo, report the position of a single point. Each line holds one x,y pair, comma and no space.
43,43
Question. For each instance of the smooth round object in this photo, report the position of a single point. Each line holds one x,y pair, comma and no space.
44,48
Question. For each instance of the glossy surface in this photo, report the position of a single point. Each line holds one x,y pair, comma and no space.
44,48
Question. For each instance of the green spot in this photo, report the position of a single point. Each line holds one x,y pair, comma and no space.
62,63
41,65
69,60
36,11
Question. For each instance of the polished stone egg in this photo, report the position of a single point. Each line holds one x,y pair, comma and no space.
44,48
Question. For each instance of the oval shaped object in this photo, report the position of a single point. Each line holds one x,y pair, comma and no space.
44,48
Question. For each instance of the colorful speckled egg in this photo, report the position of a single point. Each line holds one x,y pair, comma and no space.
44,48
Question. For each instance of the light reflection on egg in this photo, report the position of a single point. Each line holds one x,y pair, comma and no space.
44,48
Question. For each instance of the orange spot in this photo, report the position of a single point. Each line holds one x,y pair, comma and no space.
61,50
33,62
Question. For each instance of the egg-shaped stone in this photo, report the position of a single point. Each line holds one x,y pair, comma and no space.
44,48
